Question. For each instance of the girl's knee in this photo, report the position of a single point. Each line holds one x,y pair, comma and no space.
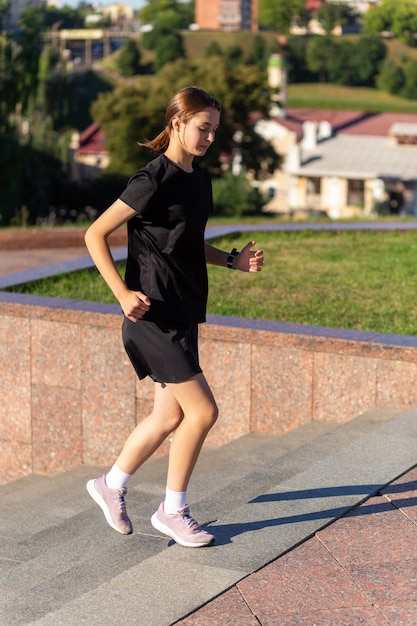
173,423
211,416
167,423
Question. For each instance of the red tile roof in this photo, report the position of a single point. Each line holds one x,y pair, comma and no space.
313,5
92,141
379,124
346,122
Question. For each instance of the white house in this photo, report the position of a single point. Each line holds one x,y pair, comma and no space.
88,154
343,163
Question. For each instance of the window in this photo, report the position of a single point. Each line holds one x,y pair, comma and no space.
356,189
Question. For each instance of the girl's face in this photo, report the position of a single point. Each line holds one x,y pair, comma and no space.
197,135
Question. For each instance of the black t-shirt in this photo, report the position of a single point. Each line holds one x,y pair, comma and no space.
166,258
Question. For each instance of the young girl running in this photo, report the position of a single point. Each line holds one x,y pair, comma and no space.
163,297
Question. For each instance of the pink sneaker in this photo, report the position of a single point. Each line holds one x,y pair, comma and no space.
181,527
112,502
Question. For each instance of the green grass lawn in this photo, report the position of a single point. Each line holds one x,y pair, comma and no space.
327,96
356,280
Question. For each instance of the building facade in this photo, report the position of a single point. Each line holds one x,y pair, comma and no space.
88,154
226,15
343,163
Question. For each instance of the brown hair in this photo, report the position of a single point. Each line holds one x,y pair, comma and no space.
184,104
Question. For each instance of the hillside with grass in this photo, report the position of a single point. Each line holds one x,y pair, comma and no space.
300,95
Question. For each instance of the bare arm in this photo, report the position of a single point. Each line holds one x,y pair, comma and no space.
133,303
246,261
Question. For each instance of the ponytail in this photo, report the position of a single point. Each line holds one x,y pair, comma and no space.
160,143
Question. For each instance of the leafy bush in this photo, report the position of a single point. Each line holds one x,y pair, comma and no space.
128,62
390,77
410,80
233,196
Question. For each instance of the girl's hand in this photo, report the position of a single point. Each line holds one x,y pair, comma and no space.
248,260
134,304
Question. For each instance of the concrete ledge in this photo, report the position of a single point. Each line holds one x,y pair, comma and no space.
65,380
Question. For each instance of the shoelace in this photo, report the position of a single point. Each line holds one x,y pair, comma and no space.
191,522
120,497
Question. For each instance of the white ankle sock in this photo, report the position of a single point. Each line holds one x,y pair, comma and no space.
174,500
116,479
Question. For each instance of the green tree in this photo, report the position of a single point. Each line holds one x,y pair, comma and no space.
342,70
34,107
390,77
320,56
410,80
295,52
278,15
153,8
259,52
168,21
19,60
213,50
233,55
30,49
12,162
169,48
187,12
356,63
5,8
128,61
404,24
129,115
369,52
234,196
65,17
379,19
332,15
397,16
164,38
8,83
54,89
173,13
150,39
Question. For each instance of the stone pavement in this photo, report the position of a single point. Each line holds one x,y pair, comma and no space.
13,261
315,527
360,570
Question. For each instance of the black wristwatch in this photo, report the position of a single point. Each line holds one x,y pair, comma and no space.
230,258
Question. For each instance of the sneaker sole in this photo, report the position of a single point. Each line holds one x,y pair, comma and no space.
103,506
158,525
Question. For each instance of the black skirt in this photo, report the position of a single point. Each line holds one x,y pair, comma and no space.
165,351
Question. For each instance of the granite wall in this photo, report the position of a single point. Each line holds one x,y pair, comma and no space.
68,394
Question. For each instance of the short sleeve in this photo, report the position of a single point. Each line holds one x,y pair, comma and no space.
140,191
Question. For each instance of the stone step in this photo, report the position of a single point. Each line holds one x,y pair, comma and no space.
260,495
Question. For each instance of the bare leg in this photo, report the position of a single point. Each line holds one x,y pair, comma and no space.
200,413
141,443
151,431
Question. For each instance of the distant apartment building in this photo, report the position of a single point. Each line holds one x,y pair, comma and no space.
234,15
226,15
121,15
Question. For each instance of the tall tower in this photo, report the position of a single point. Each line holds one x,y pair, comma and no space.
277,80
